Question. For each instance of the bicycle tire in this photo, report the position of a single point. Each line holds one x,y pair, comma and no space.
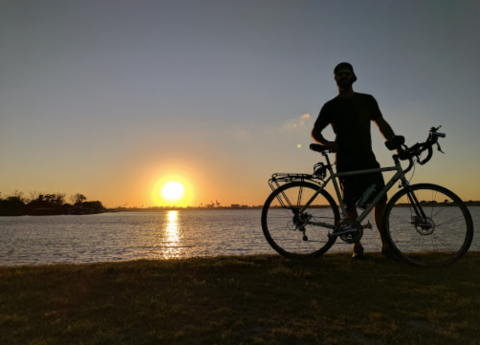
439,240
278,221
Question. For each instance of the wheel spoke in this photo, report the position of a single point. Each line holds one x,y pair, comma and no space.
433,199
451,220
422,241
403,230
456,232
444,243
434,245
440,210
299,199
413,241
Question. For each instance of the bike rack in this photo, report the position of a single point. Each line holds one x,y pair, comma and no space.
319,173
280,179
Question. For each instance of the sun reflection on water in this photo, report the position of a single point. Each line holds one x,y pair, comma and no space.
172,236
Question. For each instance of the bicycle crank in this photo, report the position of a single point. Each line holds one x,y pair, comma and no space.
350,231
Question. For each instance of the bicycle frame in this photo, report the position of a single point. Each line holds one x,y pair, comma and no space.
399,175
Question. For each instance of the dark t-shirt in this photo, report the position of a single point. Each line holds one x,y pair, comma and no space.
350,119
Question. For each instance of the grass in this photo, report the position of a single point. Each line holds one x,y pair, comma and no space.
262,299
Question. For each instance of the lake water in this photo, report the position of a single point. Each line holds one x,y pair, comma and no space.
146,235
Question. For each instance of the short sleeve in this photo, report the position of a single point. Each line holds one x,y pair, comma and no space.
375,112
323,120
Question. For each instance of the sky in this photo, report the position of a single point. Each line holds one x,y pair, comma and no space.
114,98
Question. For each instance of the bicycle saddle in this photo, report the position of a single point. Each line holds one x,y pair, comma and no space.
318,148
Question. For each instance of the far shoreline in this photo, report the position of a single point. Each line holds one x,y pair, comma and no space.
173,208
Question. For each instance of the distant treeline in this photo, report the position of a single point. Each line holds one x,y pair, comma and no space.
47,204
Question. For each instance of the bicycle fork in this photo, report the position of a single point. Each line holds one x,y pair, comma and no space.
420,219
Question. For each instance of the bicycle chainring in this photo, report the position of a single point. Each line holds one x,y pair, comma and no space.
350,237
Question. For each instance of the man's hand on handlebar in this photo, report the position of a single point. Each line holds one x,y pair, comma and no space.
395,143
404,152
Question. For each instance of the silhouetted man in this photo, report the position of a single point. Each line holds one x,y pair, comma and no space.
350,114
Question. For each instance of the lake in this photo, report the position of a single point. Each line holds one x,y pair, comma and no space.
146,235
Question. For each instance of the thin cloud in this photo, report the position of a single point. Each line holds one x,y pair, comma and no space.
299,121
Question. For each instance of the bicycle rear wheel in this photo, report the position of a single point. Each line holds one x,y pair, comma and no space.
428,225
291,234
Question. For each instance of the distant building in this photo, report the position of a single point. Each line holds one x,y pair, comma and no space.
235,206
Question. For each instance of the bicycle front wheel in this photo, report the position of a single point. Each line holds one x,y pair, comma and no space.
428,225
292,234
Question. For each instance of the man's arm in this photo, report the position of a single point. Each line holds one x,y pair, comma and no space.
319,138
384,128
322,122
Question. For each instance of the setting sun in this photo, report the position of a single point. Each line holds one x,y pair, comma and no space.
173,191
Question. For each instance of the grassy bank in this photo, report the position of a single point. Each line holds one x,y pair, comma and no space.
241,300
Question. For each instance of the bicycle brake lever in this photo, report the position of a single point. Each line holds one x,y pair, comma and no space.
439,148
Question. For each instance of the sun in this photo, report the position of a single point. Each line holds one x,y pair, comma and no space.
173,191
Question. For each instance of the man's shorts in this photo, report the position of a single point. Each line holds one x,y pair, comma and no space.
354,186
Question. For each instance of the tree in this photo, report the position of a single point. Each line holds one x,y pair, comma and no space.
13,205
96,206
17,195
55,199
78,198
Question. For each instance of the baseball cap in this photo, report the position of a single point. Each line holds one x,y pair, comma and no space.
344,66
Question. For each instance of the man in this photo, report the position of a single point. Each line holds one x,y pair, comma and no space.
350,115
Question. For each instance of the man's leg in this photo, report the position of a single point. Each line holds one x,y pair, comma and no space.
350,200
378,214
352,215
357,246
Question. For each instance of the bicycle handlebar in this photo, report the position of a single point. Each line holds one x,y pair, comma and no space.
408,153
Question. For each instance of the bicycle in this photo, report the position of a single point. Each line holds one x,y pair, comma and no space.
425,224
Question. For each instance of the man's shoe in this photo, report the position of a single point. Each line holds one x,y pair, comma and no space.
390,254
358,253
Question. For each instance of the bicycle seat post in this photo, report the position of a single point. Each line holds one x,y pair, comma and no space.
324,154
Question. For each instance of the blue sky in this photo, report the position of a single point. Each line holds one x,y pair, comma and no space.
107,98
